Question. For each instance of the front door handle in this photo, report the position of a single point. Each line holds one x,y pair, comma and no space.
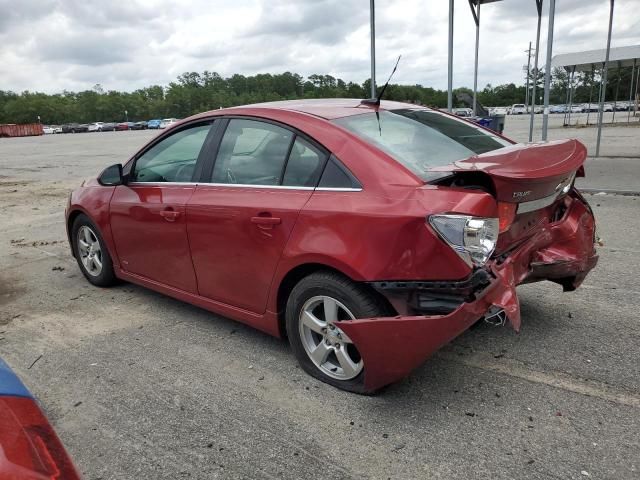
169,215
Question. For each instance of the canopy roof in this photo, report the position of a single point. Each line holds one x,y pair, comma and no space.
618,57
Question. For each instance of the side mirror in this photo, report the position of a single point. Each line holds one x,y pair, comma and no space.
112,176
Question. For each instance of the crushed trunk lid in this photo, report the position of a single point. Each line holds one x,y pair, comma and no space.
526,172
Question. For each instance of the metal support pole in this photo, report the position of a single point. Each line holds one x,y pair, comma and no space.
450,63
573,71
635,98
603,88
535,70
566,98
615,100
372,17
476,17
633,71
547,71
526,92
593,75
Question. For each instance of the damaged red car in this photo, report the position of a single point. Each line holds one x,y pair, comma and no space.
368,234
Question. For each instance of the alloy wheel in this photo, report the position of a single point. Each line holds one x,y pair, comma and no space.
328,347
90,251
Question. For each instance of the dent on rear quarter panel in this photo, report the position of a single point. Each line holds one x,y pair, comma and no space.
377,237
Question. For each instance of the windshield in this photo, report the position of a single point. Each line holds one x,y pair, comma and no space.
421,139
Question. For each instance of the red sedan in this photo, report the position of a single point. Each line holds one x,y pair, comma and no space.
368,235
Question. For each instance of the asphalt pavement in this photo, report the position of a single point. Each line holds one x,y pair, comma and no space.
142,386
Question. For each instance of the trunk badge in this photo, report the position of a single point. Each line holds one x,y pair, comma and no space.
521,194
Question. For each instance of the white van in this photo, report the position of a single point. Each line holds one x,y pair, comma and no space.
167,121
518,109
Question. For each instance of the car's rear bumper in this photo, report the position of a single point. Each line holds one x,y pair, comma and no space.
561,251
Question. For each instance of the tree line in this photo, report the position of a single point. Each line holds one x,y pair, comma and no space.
194,92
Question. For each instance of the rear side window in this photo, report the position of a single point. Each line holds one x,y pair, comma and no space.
336,175
173,159
304,165
252,153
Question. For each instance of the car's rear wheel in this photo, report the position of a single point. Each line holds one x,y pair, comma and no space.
91,253
316,306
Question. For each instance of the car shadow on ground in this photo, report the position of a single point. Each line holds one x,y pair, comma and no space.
436,379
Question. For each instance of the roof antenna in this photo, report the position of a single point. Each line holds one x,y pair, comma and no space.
376,101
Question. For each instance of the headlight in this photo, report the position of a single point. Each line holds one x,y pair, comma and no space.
473,238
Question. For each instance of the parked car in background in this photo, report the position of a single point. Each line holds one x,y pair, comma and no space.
576,109
75,128
607,107
142,125
29,447
462,112
518,109
167,122
107,127
558,109
500,111
263,222
123,126
57,129
48,129
155,123
95,127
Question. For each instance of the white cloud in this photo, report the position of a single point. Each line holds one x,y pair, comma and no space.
53,45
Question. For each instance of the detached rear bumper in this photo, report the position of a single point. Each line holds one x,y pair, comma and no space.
561,251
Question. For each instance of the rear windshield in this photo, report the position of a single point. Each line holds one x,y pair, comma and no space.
422,139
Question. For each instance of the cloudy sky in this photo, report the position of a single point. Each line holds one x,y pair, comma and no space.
53,45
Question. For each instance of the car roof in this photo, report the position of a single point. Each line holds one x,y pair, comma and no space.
327,108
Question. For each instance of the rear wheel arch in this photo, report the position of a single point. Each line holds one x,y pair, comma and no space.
296,274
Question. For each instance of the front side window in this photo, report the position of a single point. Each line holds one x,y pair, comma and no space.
252,153
173,159
421,139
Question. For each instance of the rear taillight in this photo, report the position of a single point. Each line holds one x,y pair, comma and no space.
472,238
506,215
29,448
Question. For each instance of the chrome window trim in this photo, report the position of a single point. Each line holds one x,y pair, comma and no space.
248,185
338,189
159,184
244,185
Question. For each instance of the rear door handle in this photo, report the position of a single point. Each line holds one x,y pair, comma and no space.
169,215
266,221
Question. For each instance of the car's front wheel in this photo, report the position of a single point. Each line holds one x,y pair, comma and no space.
316,306
91,253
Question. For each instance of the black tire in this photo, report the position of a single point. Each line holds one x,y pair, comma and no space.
106,276
358,299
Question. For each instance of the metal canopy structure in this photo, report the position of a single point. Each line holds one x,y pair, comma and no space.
584,61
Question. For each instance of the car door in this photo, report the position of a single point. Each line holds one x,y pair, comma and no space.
148,214
240,219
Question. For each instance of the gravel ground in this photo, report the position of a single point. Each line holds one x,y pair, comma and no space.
142,386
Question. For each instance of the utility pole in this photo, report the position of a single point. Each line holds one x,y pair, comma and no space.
547,71
603,84
526,93
450,63
476,17
372,17
535,70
